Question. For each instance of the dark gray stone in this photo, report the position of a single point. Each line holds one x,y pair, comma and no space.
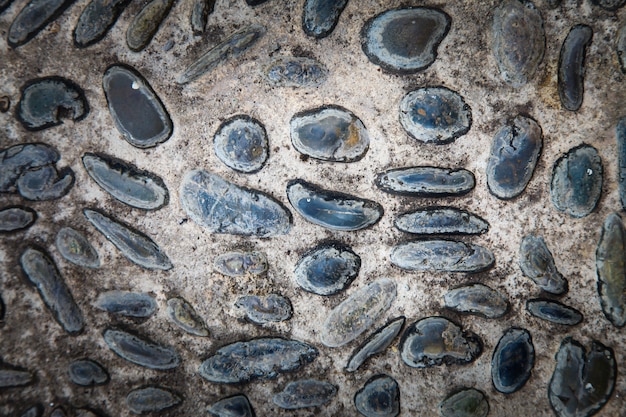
620,47
75,247
97,18
45,183
572,67
537,263
200,14
151,400
513,361
265,309
620,134
16,218
426,181
327,269
441,221
611,269
305,393
379,397
468,402
141,351
554,312
11,376
377,343
33,18
146,24
442,255
235,406
241,143
321,16
17,159
127,303
87,373
477,299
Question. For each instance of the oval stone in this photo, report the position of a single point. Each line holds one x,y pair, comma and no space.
537,263
18,159
620,135
75,247
96,19
223,207
235,406
151,400
572,66
468,402
127,303
358,312
442,255
514,154
146,23
426,181
241,263
379,397
405,41
16,218
554,312
295,72
577,181
321,16
137,111
477,299
330,209
512,361
441,221
305,393
241,143
33,18
13,377
611,269
87,373
140,351
377,343
266,309
45,183
329,133
435,115
184,316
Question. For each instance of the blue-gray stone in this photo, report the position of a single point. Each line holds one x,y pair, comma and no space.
477,299
441,221
223,207
377,343
75,247
442,255
96,19
33,18
141,351
435,115
468,402
620,47
537,263
554,312
184,316
241,263
424,181
33,411
146,24
305,393
321,16
265,309
513,360
405,41
151,400
620,134
572,66
200,14
295,72
15,218
235,406
379,397
127,303
17,159
241,143
327,269
87,373
611,269
11,376
45,183
610,5
262,358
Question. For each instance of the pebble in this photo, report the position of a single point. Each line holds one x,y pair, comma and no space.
441,221
17,159
241,263
611,270
611,5
146,24
151,400
620,134
45,183
358,312
33,411
442,255
16,218
377,343
288,71
327,269
58,412
572,67
11,377
184,316
424,181
513,361
305,393
554,312
265,309
127,303
235,406
379,397
477,299
95,21
87,373
5,101
241,144
141,351
75,247
33,18
200,14
321,16
468,402
329,133
620,47
537,263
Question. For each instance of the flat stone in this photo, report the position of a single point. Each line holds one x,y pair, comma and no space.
241,143
537,263
305,393
75,247
241,263
477,299
87,373
45,183
265,309
554,312
33,18
611,269
442,255
441,221
468,402
620,135
513,361
184,316
13,377
321,16
95,21
127,303
286,71
200,14
235,406
327,269
572,67
141,351
377,343
146,24
379,397
16,218
424,181
17,159
151,400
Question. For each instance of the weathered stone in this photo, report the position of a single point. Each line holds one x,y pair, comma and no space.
241,263
620,134
321,16
97,18
426,181
16,218
379,397
288,71
441,221
127,303
305,393
537,263
377,343
75,247
611,269
184,316
33,18
554,312
267,309
151,400
610,5
11,376
146,24
442,255
87,373
572,66
327,269
468,402
620,47
33,411
200,14
17,159
477,299
141,351
235,406
45,183
513,360
241,143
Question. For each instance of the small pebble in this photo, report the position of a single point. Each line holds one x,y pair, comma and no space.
241,143
35,16
571,75
537,263
327,269
377,343
141,351
151,400
267,309
424,181
16,218
235,406
241,263
379,397
184,316
146,24
87,373
75,247
321,16
468,402
127,303
513,361
305,393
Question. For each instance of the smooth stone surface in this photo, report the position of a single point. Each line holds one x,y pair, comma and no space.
441,221
554,312
16,218
184,316
45,183
33,18
17,159
241,143
200,14
305,393
330,209
126,182
610,5
43,273
537,263
223,207
321,16
327,269
377,343
577,181
424,181
435,115
572,67
405,41
230,48
442,255
611,269
127,303
582,382
87,373
295,71
468,402
433,341
11,377
379,397
97,18
329,133
44,101
141,351
620,47
151,400
519,40
146,24
358,312
235,406
513,361
241,263
137,111
133,244
620,135
262,358
265,309
75,247
477,299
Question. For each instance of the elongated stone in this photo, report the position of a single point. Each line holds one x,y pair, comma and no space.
200,14
75,247
87,373
305,393
262,358
327,269
377,343
126,182
45,100
321,16
554,312
229,48
610,5
442,255
577,181
235,406
45,183
433,341
477,299
141,351
33,18
241,143
43,273
16,218
127,303
620,134
266,309
357,313
17,159
572,67
611,269
13,377
184,316
514,154
223,207
512,361
468,402
379,397
441,221
537,263
329,133
151,400
288,71
241,263
133,244
620,47
426,181
136,109
519,40
97,18
331,209
146,24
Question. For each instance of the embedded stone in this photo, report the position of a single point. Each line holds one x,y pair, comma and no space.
241,263
519,40
377,343
572,66
230,48
16,218
87,373
235,406
43,273
266,309
5,101
305,393
45,100
435,115
97,18
327,269
582,382
358,312
331,209
621,47
468,402
610,5
2,309
241,143
184,316
477,299
146,24
4,4
620,134
11,376
611,270
295,72
141,351
442,255
223,207
34,411
433,341
379,397
151,400
45,183
58,412
441,221
137,111
426,181
133,244
200,14
17,159
75,247
321,16
537,263
126,182
577,181
329,133
263,358
33,18
554,312
405,41
512,361
127,303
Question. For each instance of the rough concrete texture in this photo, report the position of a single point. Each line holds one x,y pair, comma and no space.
30,338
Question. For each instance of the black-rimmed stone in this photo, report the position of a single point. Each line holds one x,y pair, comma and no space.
16,218
305,393
182,313
11,376
321,16
241,143
265,309
537,263
327,269
96,19
151,400
241,263
45,183
377,343
141,351
513,360
127,303
33,18
87,373
200,14
424,181
17,159
554,312
33,411
477,299
611,269
571,75
75,247
610,5
441,221
235,406
620,135
379,397
468,402
288,71
442,255
146,24
620,47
